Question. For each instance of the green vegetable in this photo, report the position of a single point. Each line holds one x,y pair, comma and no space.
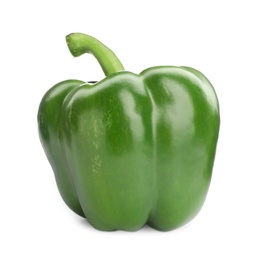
131,149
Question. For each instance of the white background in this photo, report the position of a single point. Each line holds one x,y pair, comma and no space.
214,37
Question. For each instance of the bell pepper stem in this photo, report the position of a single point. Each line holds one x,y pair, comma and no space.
79,43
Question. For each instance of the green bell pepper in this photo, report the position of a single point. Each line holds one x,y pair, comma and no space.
131,149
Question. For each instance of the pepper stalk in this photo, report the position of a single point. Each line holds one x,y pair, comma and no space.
79,43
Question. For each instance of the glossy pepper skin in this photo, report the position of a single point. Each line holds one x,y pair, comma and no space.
131,149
